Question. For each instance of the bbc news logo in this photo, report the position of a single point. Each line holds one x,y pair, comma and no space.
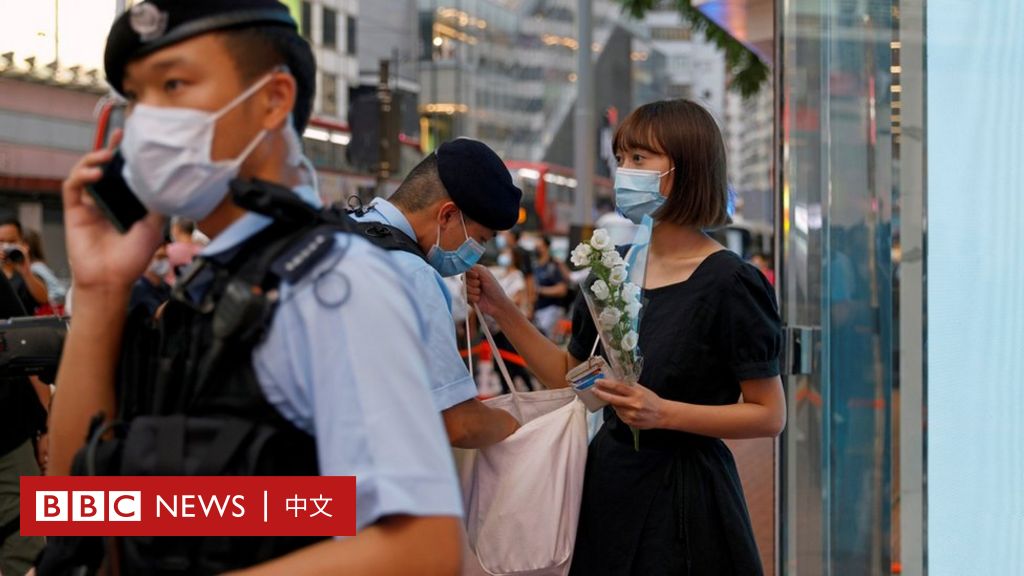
188,506
88,506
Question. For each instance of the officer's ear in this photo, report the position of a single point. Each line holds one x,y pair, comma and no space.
448,213
278,99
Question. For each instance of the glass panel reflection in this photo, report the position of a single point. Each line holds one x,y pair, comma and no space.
839,179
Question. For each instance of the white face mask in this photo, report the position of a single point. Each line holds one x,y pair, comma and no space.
160,267
167,157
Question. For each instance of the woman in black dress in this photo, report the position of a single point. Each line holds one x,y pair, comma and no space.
710,336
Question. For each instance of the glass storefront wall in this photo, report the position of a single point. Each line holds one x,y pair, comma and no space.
899,137
841,103
899,127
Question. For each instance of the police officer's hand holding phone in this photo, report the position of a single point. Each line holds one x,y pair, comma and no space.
101,256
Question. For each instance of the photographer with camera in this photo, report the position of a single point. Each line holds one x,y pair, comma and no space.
23,405
17,265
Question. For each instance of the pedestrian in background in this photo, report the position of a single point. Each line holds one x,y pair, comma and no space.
151,290
182,249
552,280
507,270
56,288
763,262
23,406
710,336
16,261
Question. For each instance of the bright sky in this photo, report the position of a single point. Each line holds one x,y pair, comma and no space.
28,27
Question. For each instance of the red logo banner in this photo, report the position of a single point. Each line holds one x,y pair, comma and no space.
188,506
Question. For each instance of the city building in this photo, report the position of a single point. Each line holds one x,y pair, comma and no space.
505,72
331,26
50,86
748,125
695,67
897,193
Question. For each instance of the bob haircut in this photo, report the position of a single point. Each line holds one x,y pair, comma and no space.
687,133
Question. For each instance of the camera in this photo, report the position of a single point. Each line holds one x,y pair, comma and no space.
31,346
13,253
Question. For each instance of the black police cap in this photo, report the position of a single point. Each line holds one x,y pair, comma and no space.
156,24
479,183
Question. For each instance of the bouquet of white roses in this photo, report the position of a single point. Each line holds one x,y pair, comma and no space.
612,292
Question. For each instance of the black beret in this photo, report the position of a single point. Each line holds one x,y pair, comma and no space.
479,183
155,24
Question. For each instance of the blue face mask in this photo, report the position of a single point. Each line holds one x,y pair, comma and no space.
453,262
638,192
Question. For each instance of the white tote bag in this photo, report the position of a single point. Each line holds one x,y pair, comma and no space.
522,496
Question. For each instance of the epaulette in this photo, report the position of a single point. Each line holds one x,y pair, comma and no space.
299,258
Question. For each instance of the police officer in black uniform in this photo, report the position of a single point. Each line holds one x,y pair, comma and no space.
264,360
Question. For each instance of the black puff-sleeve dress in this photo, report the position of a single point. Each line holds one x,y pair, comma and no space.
676,507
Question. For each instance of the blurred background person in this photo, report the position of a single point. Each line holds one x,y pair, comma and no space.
620,229
460,310
509,240
17,266
509,274
552,280
523,261
23,406
56,288
151,290
182,249
508,271
763,262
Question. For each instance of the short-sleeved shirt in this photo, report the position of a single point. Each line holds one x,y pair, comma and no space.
699,339
547,275
343,361
450,381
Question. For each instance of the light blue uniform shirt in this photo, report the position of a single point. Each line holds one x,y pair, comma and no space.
343,360
450,381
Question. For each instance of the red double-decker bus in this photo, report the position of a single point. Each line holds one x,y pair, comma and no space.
549,193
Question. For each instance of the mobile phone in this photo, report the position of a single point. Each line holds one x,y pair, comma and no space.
115,198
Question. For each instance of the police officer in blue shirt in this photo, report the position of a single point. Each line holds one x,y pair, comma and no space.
451,204
278,332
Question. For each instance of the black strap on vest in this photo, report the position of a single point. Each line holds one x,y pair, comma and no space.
383,235
389,238
282,205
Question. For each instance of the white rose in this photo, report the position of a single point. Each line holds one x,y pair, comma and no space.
600,290
611,259
633,310
600,240
618,275
629,341
581,255
609,318
630,292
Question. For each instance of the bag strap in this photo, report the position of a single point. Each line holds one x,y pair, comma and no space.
469,336
501,363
